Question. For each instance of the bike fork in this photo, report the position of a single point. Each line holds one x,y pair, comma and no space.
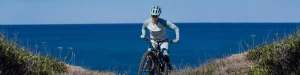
146,63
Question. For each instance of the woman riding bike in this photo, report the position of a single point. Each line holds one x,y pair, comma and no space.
157,27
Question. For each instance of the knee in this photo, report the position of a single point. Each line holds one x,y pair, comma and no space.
165,52
149,49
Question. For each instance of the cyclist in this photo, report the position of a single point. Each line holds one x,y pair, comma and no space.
157,27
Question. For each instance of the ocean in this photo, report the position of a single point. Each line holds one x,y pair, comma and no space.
118,47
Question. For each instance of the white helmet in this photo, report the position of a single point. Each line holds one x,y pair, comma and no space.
155,10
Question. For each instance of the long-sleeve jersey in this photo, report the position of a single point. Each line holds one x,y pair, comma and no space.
159,31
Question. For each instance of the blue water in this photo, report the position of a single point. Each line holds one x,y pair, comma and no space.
118,47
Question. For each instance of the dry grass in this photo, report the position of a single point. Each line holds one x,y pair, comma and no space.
235,64
76,70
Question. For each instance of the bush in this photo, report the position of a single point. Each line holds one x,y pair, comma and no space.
16,61
279,58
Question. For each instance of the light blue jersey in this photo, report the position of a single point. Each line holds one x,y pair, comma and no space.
159,31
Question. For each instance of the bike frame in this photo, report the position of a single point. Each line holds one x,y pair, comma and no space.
157,51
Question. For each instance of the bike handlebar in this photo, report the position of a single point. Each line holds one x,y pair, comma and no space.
157,40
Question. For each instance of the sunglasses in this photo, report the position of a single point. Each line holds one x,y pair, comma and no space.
154,16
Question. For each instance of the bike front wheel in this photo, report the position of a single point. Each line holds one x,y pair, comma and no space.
148,64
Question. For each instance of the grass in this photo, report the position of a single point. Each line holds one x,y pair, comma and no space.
15,60
235,64
282,57
75,70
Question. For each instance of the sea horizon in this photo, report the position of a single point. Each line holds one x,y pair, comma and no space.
142,23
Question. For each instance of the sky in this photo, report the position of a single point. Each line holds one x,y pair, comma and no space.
137,11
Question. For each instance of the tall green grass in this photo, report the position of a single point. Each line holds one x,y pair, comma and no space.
17,61
279,58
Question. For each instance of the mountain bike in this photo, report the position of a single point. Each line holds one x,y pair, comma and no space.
152,61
